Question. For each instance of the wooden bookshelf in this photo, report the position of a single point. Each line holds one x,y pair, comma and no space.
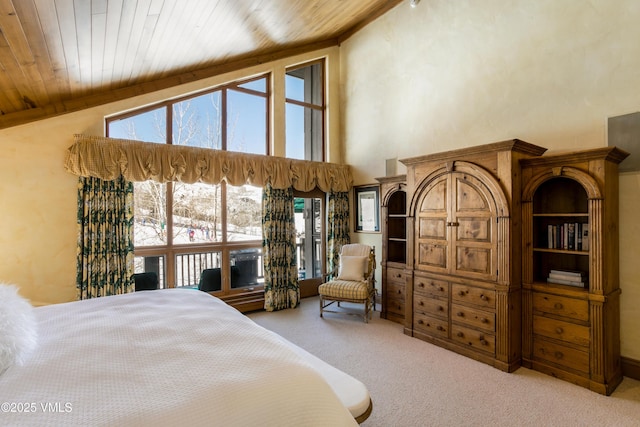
572,332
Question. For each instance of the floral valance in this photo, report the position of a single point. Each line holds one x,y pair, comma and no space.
108,158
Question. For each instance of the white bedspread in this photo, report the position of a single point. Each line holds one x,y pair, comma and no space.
163,358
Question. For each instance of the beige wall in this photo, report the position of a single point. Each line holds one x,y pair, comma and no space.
38,215
450,74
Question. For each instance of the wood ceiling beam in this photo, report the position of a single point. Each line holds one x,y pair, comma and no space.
119,94
110,83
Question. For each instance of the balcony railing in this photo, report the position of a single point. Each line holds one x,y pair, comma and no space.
246,266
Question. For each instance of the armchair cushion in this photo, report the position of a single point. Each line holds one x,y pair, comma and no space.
344,289
352,267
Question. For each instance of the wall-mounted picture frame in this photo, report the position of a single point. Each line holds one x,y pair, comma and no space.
367,211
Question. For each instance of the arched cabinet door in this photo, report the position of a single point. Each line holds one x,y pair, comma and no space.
456,221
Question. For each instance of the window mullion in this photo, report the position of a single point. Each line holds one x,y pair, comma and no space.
223,118
170,261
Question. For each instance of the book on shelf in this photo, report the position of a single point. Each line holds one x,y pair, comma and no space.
567,277
578,236
585,237
567,273
571,236
575,283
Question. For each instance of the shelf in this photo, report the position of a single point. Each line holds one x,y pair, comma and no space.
557,288
561,251
563,215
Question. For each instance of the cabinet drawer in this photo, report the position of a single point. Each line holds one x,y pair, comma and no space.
395,275
560,330
430,305
395,290
474,317
395,305
472,295
562,355
429,286
561,306
475,339
430,325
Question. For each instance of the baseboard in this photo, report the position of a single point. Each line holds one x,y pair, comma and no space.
630,368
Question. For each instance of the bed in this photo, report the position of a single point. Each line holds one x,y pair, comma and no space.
171,357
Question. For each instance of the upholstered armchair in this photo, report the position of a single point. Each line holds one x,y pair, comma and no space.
353,282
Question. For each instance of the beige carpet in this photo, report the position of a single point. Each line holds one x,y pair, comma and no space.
414,383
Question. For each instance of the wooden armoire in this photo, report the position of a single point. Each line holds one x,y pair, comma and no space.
463,265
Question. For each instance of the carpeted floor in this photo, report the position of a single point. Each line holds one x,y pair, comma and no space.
414,383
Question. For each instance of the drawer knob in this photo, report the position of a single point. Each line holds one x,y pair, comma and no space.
483,297
440,308
398,275
460,334
421,303
484,320
421,285
420,322
461,293
557,306
483,341
559,330
441,289
440,328
399,292
460,314
559,355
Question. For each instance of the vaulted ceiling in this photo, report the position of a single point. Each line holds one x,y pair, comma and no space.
58,56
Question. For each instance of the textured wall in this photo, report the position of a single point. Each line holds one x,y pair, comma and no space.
451,74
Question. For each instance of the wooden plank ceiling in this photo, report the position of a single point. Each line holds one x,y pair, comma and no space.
58,56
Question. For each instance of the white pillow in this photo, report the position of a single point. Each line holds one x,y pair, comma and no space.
18,325
352,267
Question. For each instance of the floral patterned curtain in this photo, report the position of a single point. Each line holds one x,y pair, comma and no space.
281,287
338,226
105,237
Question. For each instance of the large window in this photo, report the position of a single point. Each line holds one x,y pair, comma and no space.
305,108
183,229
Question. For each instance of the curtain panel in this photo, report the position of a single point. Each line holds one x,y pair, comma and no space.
337,226
109,158
281,287
105,237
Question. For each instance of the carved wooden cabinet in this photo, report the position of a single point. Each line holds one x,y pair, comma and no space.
571,327
394,246
463,276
